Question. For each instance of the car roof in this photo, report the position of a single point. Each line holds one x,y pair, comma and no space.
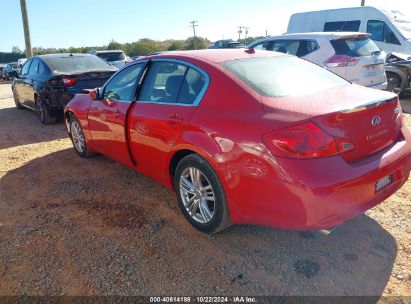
62,55
216,55
312,35
108,51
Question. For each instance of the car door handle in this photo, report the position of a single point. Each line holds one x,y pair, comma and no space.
175,118
118,114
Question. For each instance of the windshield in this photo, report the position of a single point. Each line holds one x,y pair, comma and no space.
354,47
404,26
77,64
114,56
283,76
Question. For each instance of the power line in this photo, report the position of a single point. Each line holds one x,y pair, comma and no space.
194,24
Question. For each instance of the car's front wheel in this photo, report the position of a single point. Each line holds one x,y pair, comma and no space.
200,195
16,100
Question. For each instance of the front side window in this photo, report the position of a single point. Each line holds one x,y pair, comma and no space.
26,67
170,82
380,31
122,86
342,26
281,76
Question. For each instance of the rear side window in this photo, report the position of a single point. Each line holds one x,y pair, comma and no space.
265,45
286,46
170,82
283,76
297,48
342,26
354,47
114,56
34,67
73,64
380,31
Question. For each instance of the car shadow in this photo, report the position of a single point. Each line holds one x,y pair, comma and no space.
97,216
14,124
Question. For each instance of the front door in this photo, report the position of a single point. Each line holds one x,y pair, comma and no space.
108,116
171,91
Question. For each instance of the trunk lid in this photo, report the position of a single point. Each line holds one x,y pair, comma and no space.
86,80
366,118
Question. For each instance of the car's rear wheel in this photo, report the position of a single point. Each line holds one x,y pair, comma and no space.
44,113
200,195
16,100
77,137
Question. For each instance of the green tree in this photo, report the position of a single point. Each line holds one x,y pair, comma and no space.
201,43
16,50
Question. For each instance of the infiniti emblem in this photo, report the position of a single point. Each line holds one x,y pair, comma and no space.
375,121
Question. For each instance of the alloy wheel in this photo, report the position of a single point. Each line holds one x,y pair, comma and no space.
197,195
78,137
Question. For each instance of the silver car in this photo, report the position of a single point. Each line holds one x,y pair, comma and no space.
114,57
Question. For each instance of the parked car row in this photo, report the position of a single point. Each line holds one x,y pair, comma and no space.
7,73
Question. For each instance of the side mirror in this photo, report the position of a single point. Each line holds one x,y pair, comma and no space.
94,94
14,74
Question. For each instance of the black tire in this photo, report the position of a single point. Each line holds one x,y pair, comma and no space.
83,152
396,83
16,100
220,219
44,113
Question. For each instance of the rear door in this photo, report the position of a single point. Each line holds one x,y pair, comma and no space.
170,94
107,116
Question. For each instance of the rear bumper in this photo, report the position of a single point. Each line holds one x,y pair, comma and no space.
320,193
381,86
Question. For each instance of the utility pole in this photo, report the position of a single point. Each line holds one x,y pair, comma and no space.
362,2
23,6
246,28
194,24
240,30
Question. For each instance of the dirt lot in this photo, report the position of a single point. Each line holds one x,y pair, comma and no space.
93,227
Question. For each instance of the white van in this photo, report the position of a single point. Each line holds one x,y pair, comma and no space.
391,32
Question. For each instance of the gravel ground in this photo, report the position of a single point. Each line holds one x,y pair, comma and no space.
70,226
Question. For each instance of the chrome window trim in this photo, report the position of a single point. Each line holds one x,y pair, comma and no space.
190,65
368,105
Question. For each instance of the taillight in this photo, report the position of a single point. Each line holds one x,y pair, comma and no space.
305,141
340,61
69,81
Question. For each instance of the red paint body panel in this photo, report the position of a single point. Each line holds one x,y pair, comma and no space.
226,129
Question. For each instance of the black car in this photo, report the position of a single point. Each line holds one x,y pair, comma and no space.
48,82
226,44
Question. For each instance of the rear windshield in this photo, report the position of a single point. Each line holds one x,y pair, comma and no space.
355,47
77,64
283,76
114,56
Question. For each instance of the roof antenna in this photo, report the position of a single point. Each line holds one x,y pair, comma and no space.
250,50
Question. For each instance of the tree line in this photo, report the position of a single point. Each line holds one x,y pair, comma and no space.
141,47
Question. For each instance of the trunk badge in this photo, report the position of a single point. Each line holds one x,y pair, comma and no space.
376,121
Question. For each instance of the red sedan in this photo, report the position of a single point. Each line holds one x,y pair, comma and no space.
246,136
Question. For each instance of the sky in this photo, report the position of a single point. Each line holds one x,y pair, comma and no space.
95,22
